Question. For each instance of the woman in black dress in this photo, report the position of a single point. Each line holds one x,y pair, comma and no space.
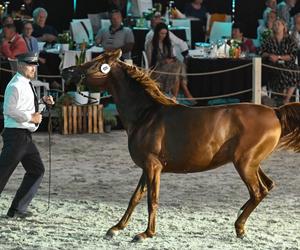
280,50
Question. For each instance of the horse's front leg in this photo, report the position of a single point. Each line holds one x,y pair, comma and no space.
135,199
153,172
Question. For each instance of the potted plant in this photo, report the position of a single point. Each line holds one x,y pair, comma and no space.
110,121
65,41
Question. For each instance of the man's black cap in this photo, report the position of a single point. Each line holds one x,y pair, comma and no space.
29,58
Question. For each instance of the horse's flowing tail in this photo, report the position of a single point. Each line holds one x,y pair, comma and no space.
289,116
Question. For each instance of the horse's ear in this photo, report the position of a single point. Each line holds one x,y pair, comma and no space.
118,53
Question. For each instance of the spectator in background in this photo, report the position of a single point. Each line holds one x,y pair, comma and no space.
161,57
283,11
31,42
5,20
24,8
281,50
271,6
182,45
296,30
238,34
116,36
13,44
43,32
196,10
296,34
265,29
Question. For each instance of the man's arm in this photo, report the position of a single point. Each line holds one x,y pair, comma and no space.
99,37
10,106
176,41
19,48
129,42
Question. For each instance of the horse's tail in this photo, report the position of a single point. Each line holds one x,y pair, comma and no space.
289,116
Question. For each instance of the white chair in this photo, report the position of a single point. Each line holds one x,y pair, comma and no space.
13,63
82,30
186,23
70,55
145,63
139,6
105,23
40,87
220,30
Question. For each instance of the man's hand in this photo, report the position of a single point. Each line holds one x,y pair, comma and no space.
48,99
36,118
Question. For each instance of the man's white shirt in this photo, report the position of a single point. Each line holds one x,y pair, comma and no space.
19,104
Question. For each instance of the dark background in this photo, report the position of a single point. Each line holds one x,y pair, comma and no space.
247,11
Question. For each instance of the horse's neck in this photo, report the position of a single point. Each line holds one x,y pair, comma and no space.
132,101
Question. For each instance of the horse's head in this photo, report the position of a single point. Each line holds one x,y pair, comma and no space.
91,73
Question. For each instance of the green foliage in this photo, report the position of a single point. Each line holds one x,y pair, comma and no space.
109,118
64,37
78,61
235,43
81,58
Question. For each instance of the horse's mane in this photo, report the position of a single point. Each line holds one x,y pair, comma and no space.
150,86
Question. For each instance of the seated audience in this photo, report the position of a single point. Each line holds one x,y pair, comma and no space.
238,34
24,8
31,42
116,36
43,32
296,35
182,45
161,57
265,30
13,44
7,19
296,30
196,10
283,11
271,6
280,50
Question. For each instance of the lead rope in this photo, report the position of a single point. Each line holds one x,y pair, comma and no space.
49,157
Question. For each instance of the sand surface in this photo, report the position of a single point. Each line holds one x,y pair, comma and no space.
93,178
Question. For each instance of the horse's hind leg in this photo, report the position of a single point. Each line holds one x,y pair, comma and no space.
136,197
257,190
267,181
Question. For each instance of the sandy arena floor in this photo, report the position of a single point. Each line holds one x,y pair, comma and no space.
93,178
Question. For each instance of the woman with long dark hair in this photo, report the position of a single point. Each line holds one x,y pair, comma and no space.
161,56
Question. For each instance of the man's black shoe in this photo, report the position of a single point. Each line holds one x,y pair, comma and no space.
17,214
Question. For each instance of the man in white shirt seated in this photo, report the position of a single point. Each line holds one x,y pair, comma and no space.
21,118
176,42
116,36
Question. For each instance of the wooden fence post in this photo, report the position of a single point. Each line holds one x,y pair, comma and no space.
256,80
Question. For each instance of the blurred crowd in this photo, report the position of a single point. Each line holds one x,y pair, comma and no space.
278,40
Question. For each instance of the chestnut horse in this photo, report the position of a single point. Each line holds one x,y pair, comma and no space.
164,136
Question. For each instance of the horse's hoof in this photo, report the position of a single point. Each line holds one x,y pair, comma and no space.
111,234
138,238
241,234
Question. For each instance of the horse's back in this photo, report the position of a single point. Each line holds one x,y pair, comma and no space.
207,137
